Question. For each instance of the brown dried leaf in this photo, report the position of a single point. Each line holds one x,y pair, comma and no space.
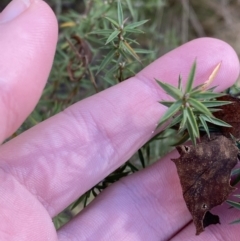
211,77
204,173
81,60
230,114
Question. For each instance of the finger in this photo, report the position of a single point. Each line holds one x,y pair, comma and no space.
22,216
27,46
207,54
92,138
147,205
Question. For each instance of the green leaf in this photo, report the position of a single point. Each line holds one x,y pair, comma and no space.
175,121
95,40
129,49
190,78
102,31
106,60
171,90
235,177
133,168
205,95
130,7
191,133
136,24
214,110
123,52
233,204
111,71
112,36
215,103
236,221
192,122
199,106
215,121
180,83
212,88
184,119
205,126
130,41
113,22
197,88
120,14
172,110
167,103
130,70
133,30
237,195
164,134
143,51
141,158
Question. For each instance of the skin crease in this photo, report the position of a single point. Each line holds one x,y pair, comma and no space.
46,168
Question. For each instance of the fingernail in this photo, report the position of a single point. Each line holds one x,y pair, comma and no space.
14,9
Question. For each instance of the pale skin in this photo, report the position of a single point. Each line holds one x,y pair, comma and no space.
51,165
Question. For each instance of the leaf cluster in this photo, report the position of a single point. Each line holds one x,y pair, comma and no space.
191,109
119,43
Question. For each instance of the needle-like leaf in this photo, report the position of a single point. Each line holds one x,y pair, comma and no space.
172,110
205,126
129,3
190,78
180,83
215,103
236,221
199,106
191,133
205,95
166,103
120,13
192,122
136,24
215,121
107,59
143,51
235,178
171,90
175,121
233,204
113,22
133,31
102,31
184,119
129,49
235,172
112,36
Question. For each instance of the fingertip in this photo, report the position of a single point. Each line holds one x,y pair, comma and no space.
208,52
27,47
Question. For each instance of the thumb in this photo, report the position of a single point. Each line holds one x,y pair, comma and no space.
27,45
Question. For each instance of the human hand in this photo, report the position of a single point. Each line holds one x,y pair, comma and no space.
49,166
